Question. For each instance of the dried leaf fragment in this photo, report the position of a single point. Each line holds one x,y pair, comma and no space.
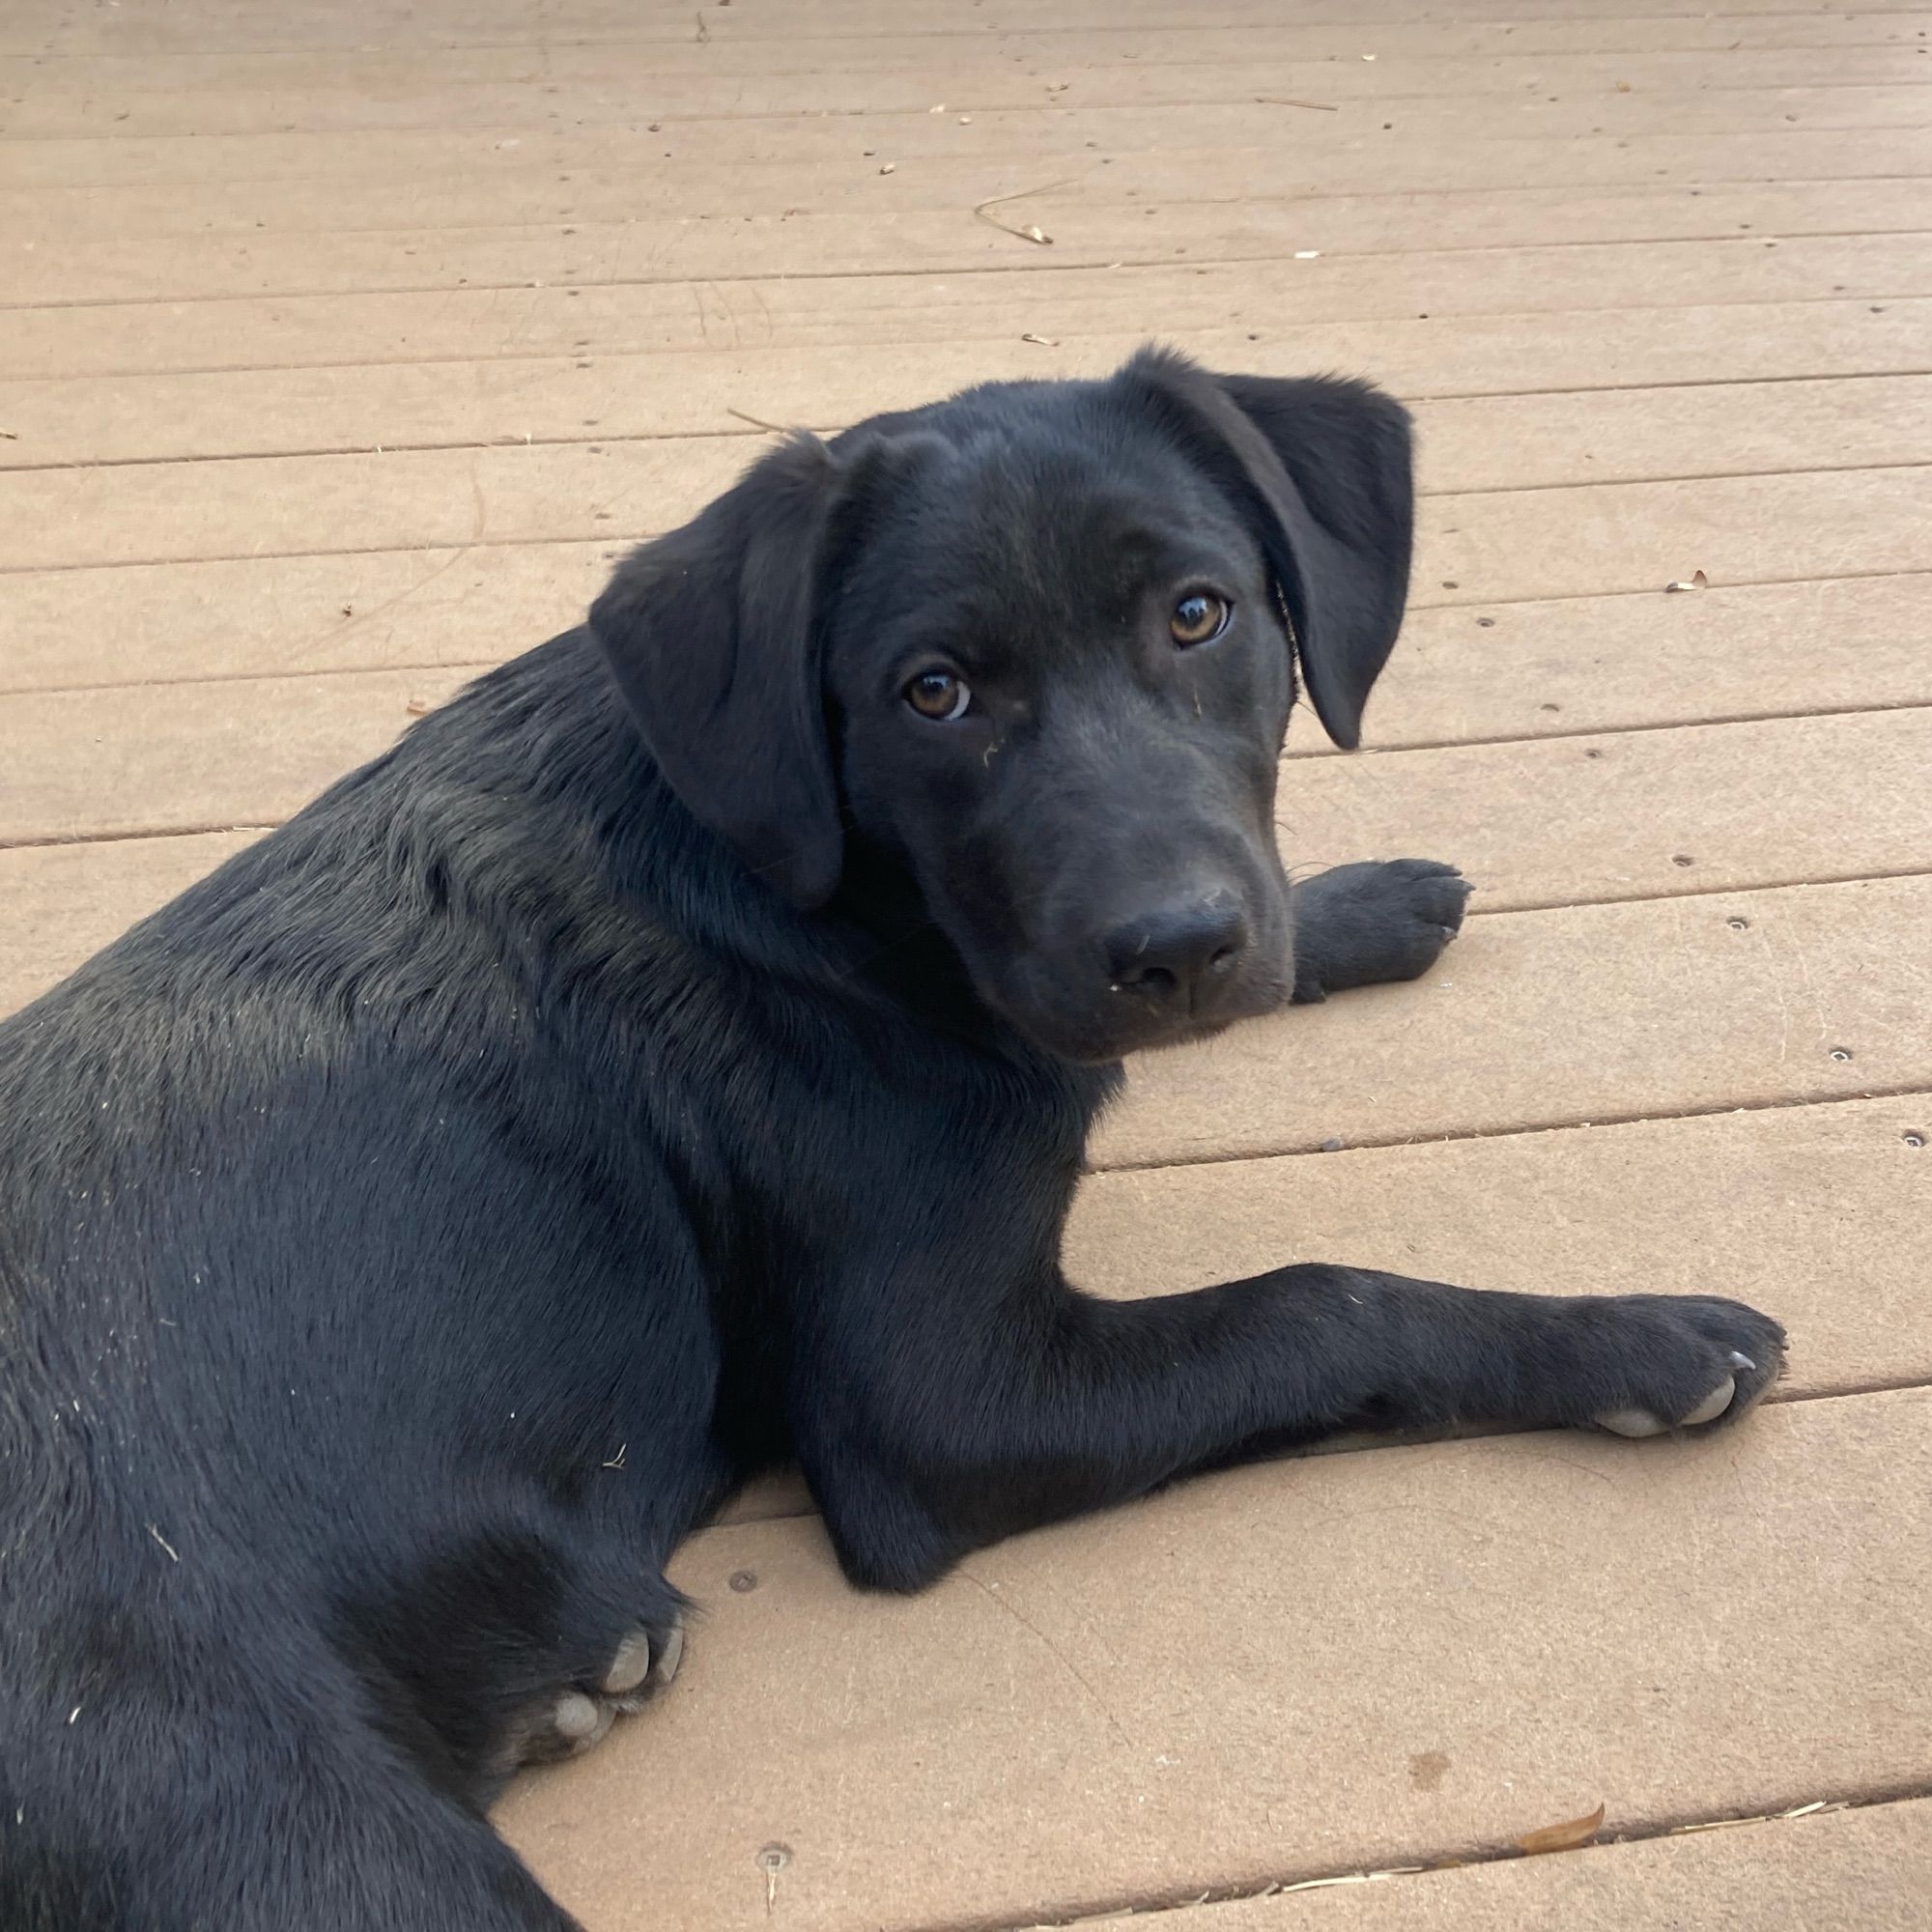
1696,580
1564,1838
1042,341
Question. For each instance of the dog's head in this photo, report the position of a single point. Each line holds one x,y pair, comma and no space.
1036,647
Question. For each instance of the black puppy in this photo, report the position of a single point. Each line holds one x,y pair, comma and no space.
626,1083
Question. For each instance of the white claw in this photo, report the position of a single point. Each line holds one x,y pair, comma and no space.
1632,1422
630,1666
575,1715
1712,1405
1743,1362
671,1656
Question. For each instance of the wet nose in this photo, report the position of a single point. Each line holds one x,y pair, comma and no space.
1176,956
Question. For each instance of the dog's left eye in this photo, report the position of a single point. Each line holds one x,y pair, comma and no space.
1199,618
939,695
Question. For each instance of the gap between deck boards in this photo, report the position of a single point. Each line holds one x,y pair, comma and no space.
1459,1857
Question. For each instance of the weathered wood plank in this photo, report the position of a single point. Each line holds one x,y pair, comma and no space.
864,189
630,92
1472,441
1084,230
795,313
1052,54
1871,88
38,26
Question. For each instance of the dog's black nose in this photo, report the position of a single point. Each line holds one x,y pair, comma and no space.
1176,956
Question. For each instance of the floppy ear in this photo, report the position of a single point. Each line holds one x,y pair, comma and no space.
713,633
1324,465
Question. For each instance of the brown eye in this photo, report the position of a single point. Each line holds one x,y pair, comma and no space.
939,695
1199,618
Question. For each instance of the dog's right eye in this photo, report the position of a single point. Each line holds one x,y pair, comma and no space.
1199,618
939,695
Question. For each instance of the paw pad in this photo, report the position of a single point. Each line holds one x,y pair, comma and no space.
580,1720
1641,1422
571,1721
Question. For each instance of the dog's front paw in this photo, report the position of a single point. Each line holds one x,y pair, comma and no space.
1655,1363
1384,919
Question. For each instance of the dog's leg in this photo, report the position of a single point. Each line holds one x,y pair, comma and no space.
1049,1403
250,1807
1360,924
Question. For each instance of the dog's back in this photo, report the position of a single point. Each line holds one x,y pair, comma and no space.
260,1569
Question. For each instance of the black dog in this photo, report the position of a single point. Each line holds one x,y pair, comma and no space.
414,1231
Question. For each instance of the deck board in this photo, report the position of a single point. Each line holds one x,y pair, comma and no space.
51,26
1871,87
374,76
991,301
1755,91
619,189
1568,435
340,351
632,249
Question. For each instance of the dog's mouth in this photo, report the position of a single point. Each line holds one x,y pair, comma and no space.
1098,1024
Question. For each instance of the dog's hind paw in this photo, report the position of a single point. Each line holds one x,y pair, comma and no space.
568,1723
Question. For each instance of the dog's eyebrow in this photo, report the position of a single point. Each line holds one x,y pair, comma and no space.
1146,556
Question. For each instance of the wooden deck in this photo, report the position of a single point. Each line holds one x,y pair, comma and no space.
344,344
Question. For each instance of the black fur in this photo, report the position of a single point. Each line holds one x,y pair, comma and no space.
416,1230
